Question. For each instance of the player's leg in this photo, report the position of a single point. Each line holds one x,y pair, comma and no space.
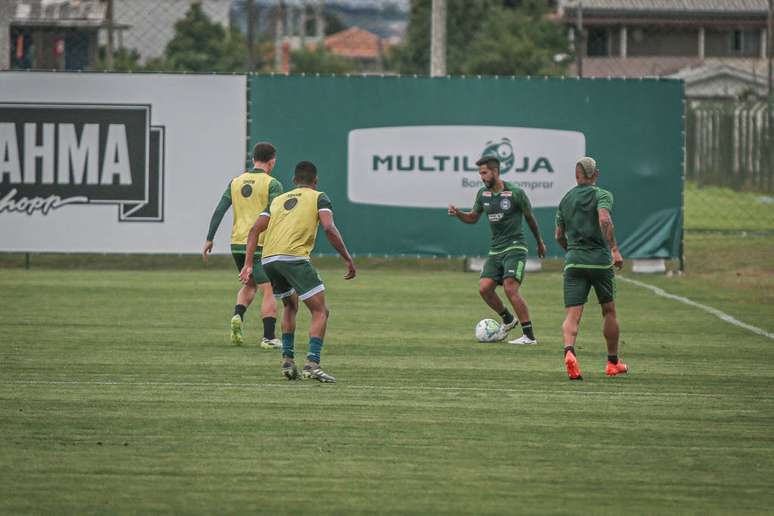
311,290
268,306
288,324
245,296
282,289
604,287
491,276
513,277
576,293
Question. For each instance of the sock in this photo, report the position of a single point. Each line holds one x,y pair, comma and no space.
570,349
268,328
240,311
287,345
613,359
315,346
526,327
507,316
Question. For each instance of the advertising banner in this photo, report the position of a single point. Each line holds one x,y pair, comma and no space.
394,152
116,162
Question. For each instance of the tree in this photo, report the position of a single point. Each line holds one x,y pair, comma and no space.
497,37
201,45
318,60
517,42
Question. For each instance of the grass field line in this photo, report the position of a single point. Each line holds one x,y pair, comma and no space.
284,385
714,311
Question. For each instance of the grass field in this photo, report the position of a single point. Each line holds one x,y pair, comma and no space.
119,393
716,208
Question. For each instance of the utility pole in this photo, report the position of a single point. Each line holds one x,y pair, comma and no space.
770,47
438,39
319,21
278,34
109,47
250,35
579,39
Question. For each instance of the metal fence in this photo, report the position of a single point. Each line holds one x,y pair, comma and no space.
721,51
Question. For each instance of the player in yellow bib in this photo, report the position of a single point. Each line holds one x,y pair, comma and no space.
250,194
290,229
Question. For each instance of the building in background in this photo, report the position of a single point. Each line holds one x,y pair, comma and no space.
51,34
717,45
365,48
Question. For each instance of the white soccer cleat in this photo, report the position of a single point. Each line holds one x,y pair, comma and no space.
504,329
523,341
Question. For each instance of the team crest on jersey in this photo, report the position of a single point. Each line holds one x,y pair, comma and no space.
246,191
290,203
53,155
505,204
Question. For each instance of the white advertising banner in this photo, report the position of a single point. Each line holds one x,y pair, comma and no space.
434,166
119,163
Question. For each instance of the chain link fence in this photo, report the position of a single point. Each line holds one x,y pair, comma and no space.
719,48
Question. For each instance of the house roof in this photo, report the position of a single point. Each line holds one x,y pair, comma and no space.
60,12
355,43
658,8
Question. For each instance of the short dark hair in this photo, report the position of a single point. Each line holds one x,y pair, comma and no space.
305,172
492,164
263,152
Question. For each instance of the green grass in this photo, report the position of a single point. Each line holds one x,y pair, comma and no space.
723,209
119,393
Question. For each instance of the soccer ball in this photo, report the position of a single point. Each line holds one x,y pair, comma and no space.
486,329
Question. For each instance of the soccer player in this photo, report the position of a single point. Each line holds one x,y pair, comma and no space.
249,194
290,225
585,231
505,205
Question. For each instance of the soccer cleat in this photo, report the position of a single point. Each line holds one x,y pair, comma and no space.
523,340
614,369
573,369
270,343
290,371
315,373
504,329
237,338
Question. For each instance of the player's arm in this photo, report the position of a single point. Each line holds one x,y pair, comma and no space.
252,243
560,236
532,223
604,206
608,230
217,217
468,217
334,237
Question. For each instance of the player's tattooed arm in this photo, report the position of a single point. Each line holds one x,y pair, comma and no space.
541,246
608,230
561,238
334,237
468,217
252,243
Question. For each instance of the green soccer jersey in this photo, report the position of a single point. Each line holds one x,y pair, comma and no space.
578,217
505,210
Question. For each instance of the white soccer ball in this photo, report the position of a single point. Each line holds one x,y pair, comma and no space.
486,329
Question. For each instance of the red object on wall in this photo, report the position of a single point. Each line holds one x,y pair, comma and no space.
20,47
59,47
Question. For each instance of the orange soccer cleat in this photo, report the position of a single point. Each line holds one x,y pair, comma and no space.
573,369
614,369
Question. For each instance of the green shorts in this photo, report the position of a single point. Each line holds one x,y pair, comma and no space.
509,264
259,276
578,281
288,278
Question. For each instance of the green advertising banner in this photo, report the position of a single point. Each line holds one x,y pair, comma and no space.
393,152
